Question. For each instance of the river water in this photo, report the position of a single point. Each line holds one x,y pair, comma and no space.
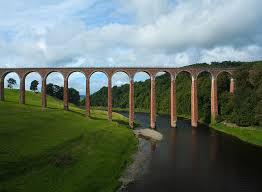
197,159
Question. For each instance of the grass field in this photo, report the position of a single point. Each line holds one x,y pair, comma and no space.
57,150
252,135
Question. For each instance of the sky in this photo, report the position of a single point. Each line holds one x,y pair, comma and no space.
110,33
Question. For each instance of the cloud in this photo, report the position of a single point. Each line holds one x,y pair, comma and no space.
249,53
95,33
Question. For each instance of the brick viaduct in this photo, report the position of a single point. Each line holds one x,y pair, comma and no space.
193,71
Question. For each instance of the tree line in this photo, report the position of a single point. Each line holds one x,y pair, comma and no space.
51,89
244,107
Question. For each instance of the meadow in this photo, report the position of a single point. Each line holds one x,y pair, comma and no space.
57,150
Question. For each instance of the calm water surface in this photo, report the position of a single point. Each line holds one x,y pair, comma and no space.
198,159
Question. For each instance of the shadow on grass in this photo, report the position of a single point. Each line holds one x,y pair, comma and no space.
13,169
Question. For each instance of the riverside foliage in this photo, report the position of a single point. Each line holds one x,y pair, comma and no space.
244,107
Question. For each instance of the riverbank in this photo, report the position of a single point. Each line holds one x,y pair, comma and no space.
252,135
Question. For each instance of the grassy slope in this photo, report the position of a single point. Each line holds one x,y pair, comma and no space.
252,135
57,150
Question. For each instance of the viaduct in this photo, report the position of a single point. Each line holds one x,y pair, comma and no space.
193,71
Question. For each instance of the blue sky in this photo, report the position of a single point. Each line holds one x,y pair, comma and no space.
79,33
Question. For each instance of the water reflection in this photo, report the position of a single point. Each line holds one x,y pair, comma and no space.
153,146
194,153
213,139
198,159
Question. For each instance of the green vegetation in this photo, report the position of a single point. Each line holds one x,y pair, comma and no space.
251,135
57,92
33,86
57,150
243,108
11,82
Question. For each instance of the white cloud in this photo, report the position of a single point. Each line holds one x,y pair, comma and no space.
228,53
156,32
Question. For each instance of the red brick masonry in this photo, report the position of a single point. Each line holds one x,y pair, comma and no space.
66,72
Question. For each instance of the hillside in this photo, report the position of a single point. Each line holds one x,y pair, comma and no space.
57,150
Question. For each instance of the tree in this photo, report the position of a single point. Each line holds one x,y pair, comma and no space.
58,92
11,82
33,86
74,96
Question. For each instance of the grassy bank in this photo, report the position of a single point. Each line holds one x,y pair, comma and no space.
139,111
252,135
57,150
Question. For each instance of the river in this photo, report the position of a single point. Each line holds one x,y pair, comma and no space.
197,159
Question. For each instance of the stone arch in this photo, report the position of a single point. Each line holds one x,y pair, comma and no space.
143,71
164,71
229,73
122,71
76,71
204,71
184,71
15,73
99,71
8,72
53,71
32,71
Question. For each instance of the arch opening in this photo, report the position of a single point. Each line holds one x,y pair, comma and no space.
99,93
11,86
33,85
224,96
204,96
54,89
183,94
163,80
142,93
120,91
77,88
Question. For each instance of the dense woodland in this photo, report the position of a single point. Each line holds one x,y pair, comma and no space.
243,108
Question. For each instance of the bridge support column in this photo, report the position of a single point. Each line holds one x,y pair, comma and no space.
87,96
214,104
152,104
22,91
2,88
194,104
232,86
173,101
109,97
131,103
43,92
66,94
